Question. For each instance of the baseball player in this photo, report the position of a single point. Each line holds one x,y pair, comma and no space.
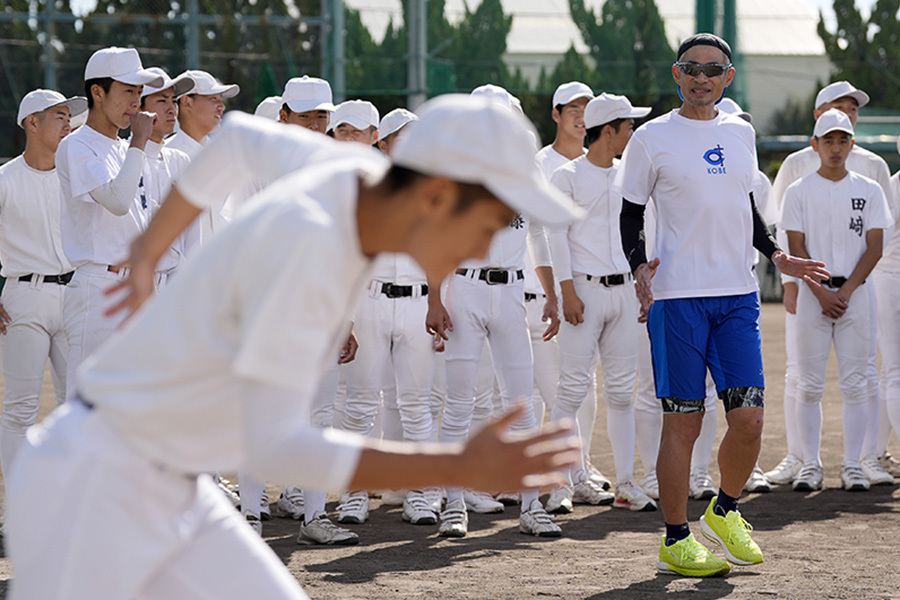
598,301
307,101
230,352
700,295
34,265
104,203
817,211
356,121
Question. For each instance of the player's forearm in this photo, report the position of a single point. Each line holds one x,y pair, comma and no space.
545,276
118,194
867,261
395,465
558,240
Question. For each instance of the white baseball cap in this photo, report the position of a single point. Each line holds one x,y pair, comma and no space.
40,100
568,92
303,94
840,89
609,107
499,94
476,140
727,105
120,64
182,84
832,120
361,114
269,108
394,121
207,85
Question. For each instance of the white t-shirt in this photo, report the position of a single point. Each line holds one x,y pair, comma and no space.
251,306
890,259
592,245
85,160
834,217
162,166
700,174
30,239
217,215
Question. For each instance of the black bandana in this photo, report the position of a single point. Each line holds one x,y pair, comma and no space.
704,39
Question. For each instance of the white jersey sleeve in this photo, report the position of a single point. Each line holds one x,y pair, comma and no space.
558,235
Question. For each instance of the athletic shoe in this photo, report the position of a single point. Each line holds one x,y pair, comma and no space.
229,490
587,491
290,503
393,497
435,498
595,475
701,486
535,521
481,502
417,511
690,558
354,507
853,479
560,500
454,520
322,531
875,473
254,522
810,478
629,495
890,464
264,512
508,498
757,483
650,485
732,533
786,471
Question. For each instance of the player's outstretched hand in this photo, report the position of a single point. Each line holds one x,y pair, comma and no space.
811,271
495,460
643,275
4,319
135,287
551,316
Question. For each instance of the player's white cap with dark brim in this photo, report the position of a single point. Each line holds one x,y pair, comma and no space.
207,85
303,94
832,120
609,107
361,114
120,64
37,101
841,89
394,121
477,140
181,85
571,91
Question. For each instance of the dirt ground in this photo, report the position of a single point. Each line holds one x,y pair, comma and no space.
828,544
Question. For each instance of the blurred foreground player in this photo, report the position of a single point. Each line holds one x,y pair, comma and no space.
217,373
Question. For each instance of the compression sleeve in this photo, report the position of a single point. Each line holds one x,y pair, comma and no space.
762,239
117,194
631,225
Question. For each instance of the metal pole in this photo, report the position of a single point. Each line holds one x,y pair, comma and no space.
338,83
422,55
412,69
49,53
325,30
193,34
706,16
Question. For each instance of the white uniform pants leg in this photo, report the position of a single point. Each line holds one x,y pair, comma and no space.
647,408
412,357
487,393
887,287
546,360
791,379
701,455
870,444
365,374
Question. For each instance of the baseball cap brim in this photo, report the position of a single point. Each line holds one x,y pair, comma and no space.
140,77
537,198
308,105
638,112
568,99
227,91
835,128
355,122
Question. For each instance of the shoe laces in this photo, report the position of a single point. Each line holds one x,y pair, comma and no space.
355,502
738,528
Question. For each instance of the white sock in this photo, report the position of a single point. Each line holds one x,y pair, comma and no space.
791,425
454,493
251,490
587,415
647,431
809,430
528,496
620,428
873,401
702,453
856,418
313,502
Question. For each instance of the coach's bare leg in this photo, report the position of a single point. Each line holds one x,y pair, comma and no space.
740,448
673,466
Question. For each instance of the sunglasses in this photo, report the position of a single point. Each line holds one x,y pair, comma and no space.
693,69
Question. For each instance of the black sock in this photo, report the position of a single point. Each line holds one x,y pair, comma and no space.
724,504
676,533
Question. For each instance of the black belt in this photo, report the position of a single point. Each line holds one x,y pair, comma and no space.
610,280
836,282
492,276
402,291
529,296
63,279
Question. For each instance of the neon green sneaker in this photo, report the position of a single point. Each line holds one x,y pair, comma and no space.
732,533
690,558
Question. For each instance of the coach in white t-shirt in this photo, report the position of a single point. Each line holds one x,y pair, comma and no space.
699,165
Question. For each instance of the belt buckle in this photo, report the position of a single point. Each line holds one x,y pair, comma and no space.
501,276
388,289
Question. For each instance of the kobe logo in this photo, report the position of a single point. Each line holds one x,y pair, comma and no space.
716,158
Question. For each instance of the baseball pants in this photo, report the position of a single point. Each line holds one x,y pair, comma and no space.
887,288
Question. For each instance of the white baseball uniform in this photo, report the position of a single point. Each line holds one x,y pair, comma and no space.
212,218
36,271
216,374
834,218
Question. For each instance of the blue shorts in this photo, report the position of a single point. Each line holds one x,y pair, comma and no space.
690,335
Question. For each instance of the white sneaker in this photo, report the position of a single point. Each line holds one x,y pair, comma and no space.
508,498
651,485
810,478
587,491
890,464
535,521
629,495
417,511
875,473
264,512
853,478
701,486
290,503
435,498
454,520
354,507
229,490
481,502
595,475
786,471
757,483
560,500
254,522
393,497
322,531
